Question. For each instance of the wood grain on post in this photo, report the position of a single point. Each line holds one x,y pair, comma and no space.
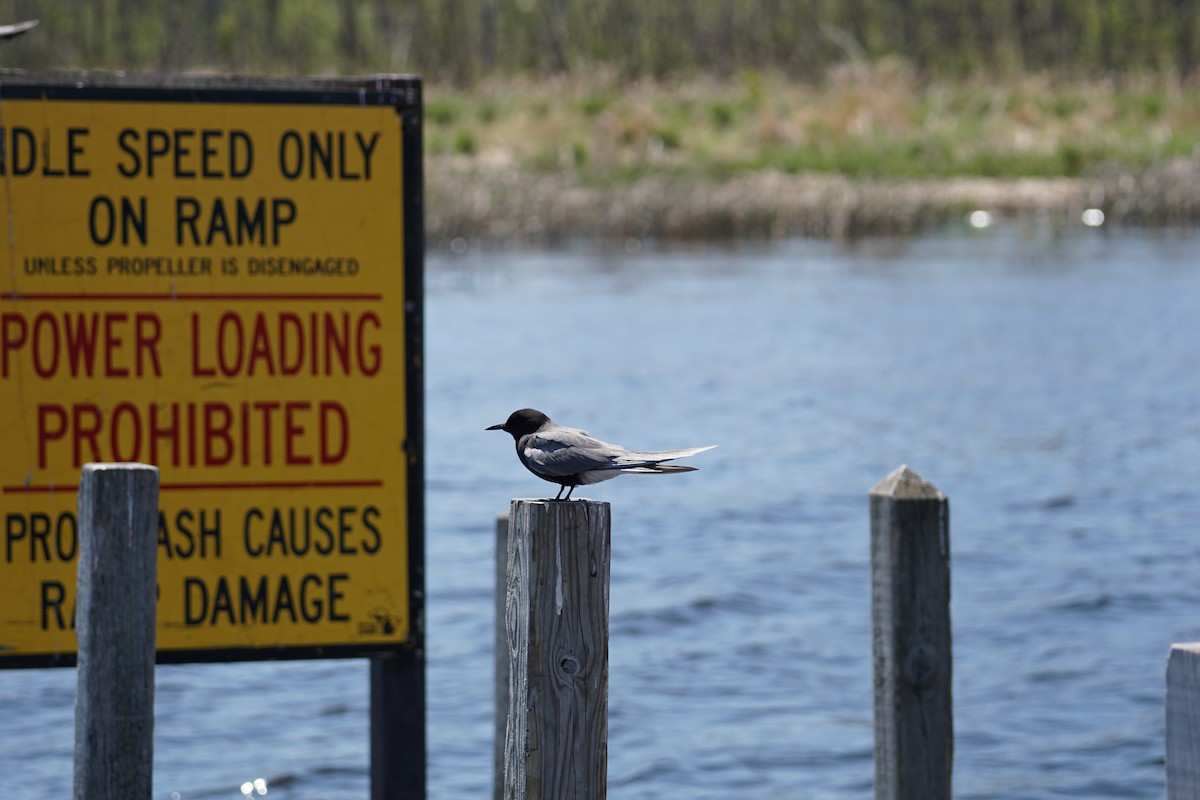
1183,722
114,626
503,671
910,617
556,615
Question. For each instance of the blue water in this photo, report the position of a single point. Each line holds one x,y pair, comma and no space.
1048,381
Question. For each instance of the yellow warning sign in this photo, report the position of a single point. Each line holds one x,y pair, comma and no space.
213,283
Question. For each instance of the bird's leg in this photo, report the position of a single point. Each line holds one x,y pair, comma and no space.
568,497
560,488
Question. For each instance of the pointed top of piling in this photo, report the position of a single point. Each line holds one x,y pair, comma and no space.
905,483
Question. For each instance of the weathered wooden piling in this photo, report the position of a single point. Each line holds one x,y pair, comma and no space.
115,612
556,616
910,618
1183,722
503,671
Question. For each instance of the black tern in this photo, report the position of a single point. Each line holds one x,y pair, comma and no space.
569,457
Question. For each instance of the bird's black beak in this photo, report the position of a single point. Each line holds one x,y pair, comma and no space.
499,427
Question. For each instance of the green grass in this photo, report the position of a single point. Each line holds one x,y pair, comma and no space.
446,110
464,143
872,122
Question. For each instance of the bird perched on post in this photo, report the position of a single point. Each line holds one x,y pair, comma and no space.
569,457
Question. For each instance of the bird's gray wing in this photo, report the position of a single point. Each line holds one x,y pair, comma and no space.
17,28
658,456
567,451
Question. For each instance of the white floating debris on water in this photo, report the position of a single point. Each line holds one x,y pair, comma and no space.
258,785
980,219
1092,217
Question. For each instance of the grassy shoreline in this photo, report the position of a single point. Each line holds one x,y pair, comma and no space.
868,151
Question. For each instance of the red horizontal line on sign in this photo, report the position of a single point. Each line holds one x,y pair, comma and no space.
159,296
222,485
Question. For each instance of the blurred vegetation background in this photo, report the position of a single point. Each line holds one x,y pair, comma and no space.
621,117
463,40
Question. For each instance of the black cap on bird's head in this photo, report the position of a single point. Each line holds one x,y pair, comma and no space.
521,422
